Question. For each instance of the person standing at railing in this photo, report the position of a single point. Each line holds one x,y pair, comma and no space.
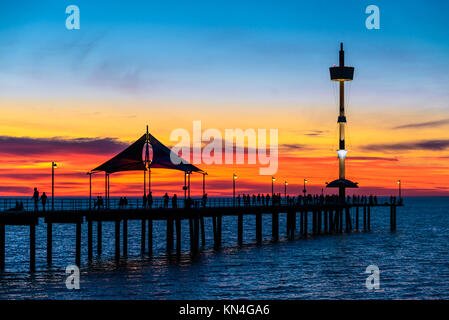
166,198
150,200
204,200
43,200
144,200
125,202
174,201
35,197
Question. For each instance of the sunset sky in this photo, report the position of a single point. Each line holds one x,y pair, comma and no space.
79,97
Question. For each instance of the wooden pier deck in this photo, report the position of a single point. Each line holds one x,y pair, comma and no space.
324,218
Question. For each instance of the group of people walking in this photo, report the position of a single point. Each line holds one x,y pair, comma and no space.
244,199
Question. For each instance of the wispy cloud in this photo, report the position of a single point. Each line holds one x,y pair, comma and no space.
432,145
436,123
22,146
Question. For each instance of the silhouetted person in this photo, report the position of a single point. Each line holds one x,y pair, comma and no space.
166,198
35,197
144,199
43,200
125,202
100,202
150,200
204,200
174,201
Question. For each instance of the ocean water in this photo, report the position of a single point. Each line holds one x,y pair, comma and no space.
413,262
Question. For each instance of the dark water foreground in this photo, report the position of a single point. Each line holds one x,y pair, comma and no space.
413,262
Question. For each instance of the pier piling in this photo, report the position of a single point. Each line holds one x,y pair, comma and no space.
78,244
258,228
49,242
169,235
2,246
117,239
142,236
150,236
240,229
178,236
89,240
32,247
99,236
125,238
275,226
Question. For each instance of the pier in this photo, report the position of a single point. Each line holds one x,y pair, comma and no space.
303,220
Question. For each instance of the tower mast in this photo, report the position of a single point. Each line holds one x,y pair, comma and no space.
342,74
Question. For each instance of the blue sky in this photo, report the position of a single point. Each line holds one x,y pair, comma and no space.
249,48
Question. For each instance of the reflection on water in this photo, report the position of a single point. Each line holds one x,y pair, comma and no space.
413,262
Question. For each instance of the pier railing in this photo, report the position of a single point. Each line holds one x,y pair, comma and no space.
82,204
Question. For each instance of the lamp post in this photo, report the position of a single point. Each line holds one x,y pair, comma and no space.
399,188
234,177
305,191
53,166
285,189
273,179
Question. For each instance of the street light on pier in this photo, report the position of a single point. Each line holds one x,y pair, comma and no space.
53,166
305,191
399,188
285,189
273,179
234,177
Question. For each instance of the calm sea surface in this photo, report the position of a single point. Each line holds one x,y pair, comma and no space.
413,262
